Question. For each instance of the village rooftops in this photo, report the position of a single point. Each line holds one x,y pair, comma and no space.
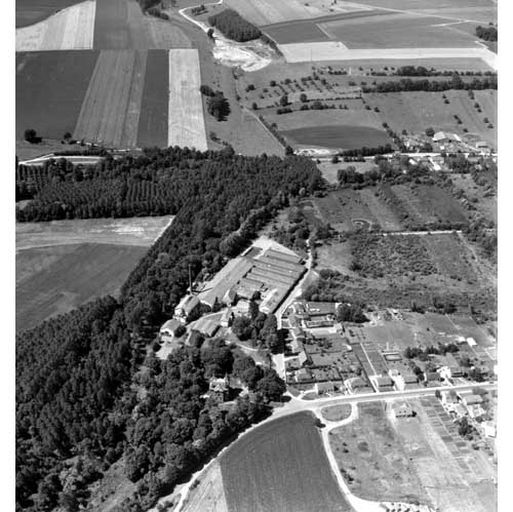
471,399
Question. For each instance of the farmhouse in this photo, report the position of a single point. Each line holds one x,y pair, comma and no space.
357,385
471,399
449,398
489,429
167,331
403,410
324,387
444,137
384,384
218,389
186,308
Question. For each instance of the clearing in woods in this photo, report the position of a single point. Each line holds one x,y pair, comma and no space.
186,126
69,29
281,465
111,107
63,264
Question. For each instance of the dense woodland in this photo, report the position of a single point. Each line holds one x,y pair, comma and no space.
74,372
234,26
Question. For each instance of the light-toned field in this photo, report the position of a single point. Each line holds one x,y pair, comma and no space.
265,12
138,231
111,107
209,495
63,264
186,126
416,111
70,29
337,51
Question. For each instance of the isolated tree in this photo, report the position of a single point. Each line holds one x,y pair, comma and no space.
303,98
67,136
30,135
284,100
430,132
210,33
218,106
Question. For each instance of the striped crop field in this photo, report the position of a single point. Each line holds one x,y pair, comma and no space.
186,124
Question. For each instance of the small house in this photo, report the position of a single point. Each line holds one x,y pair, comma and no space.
384,384
472,399
489,429
403,410
219,389
186,308
303,376
304,358
324,387
449,397
168,329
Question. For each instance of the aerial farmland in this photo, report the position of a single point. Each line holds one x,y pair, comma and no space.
256,255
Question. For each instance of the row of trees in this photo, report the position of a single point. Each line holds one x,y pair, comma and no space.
456,82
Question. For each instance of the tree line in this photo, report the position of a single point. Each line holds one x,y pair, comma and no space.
74,372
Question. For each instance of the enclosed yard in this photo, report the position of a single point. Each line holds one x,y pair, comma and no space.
50,88
281,466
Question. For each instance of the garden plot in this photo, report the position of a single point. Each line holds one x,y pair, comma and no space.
372,460
111,108
186,125
70,29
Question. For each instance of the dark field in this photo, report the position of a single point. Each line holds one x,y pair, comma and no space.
337,136
281,466
153,119
29,12
304,31
50,88
54,280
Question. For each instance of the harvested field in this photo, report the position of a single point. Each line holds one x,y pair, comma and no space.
29,12
398,31
336,412
69,29
121,25
265,12
153,118
111,107
416,111
58,279
281,465
186,126
50,88
296,32
209,495
61,265
372,459
139,231
336,51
